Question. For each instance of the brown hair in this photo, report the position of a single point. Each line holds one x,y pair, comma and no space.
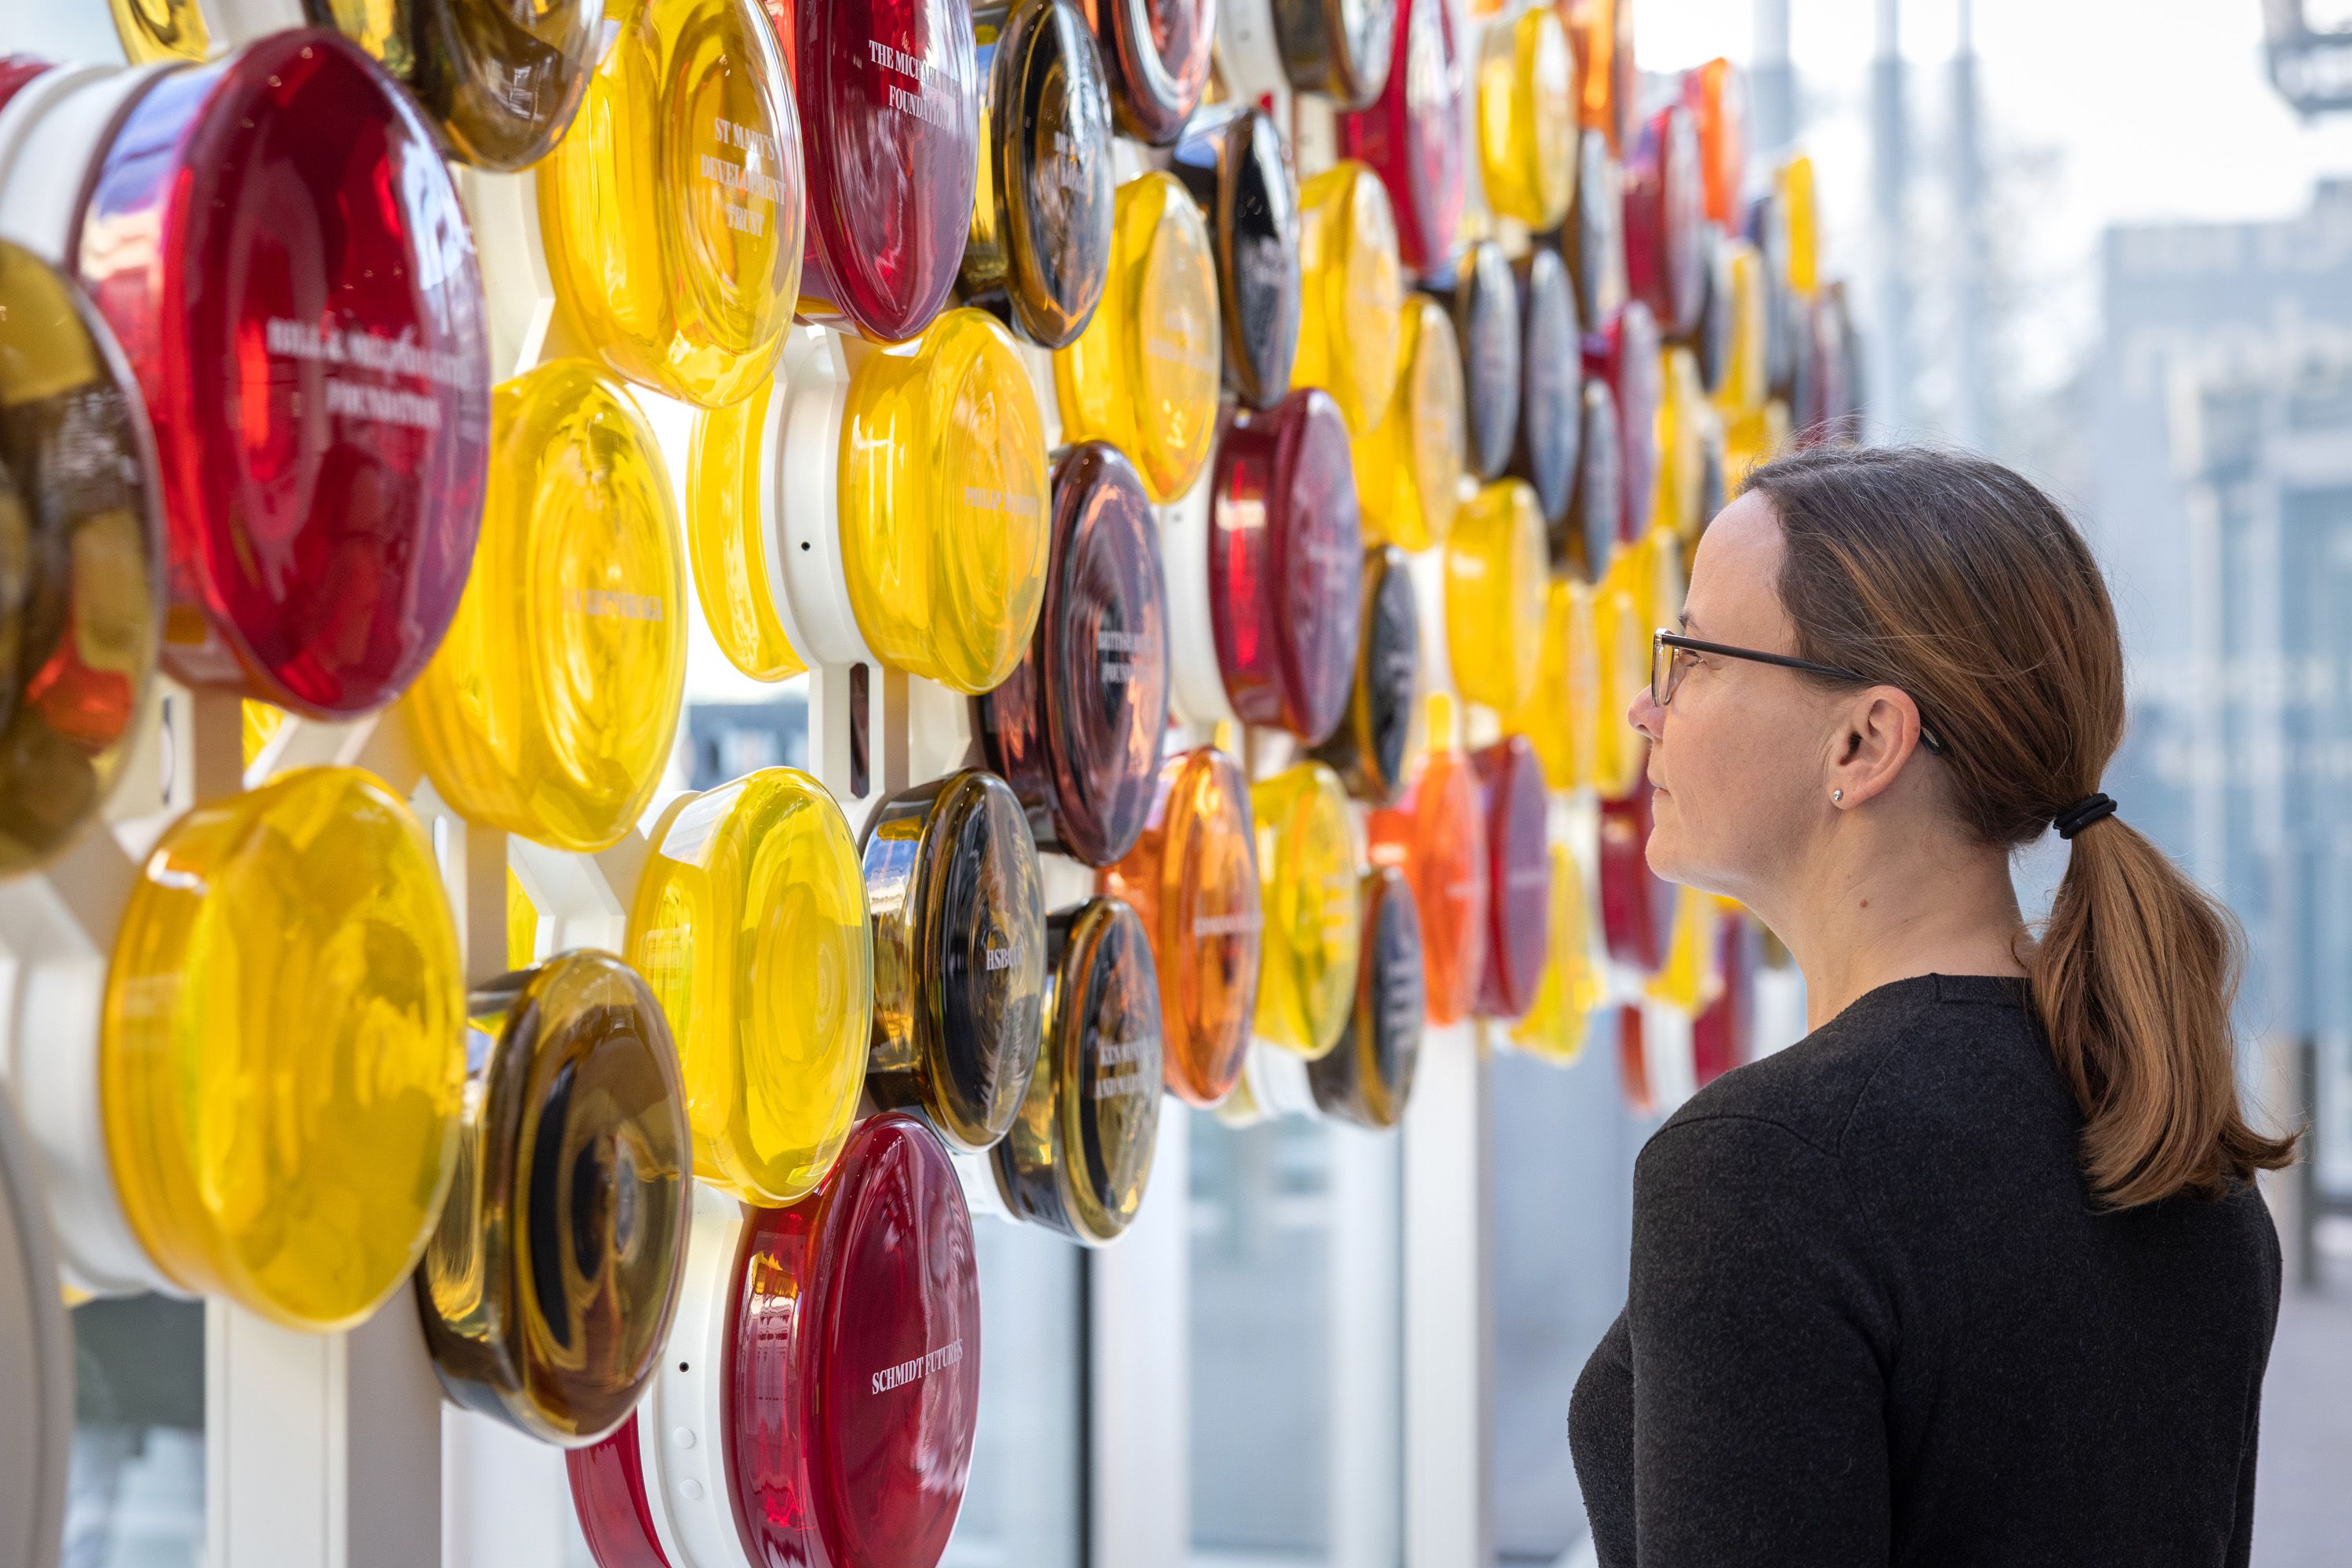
1960,581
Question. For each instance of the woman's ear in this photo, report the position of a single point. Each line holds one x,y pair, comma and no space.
1880,733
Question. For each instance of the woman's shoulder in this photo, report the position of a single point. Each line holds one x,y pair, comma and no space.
1907,1059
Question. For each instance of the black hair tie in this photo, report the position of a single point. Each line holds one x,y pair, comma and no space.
2091,808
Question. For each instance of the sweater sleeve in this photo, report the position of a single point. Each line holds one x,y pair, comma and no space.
1761,1340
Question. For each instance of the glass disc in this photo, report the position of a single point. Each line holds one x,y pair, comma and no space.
1352,291
853,1375
1077,729
276,243
1285,565
1041,225
892,137
1233,164
730,541
1158,54
1593,241
289,953
1588,538
1519,872
1368,749
943,503
1560,713
959,911
1637,909
548,1290
1409,469
1340,49
750,929
1307,884
1191,877
1079,1154
1368,1077
1413,134
1636,374
1437,837
671,215
1527,117
1664,208
81,560
1553,358
552,707
1555,1025
1145,373
1485,301
1496,580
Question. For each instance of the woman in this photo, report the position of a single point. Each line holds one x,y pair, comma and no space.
1976,1273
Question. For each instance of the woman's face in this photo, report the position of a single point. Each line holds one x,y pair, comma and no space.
1739,758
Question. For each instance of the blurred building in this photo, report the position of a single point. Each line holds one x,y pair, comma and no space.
2222,435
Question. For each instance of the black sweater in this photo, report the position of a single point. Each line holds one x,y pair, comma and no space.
1873,1319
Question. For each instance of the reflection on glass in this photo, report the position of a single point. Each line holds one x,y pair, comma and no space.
672,213
550,708
289,948
1409,469
1352,289
549,1287
1368,749
1496,583
1307,866
1232,162
1040,224
1077,729
1024,1507
81,560
1552,356
1485,301
750,927
952,877
325,302
136,1486
1413,135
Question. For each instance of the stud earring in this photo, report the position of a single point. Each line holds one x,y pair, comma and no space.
1837,794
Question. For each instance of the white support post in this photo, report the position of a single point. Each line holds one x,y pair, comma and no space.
1139,1414
1367,1442
1448,1224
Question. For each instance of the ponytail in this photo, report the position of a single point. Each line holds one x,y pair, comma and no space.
1959,581
2133,978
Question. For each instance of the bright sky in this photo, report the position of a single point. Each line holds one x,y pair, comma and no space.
2157,109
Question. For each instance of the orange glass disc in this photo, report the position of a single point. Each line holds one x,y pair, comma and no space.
1437,836
1193,878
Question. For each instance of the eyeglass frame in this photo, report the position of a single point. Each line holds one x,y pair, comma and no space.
1661,687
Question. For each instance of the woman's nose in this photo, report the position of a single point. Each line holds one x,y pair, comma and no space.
1647,717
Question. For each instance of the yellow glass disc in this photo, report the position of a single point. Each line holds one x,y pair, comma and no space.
750,927
1683,414
1495,581
1742,392
1797,201
1692,975
671,210
1307,866
1409,469
522,925
1351,292
161,30
1560,713
260,723
1554,1025
1528,118
1144,375
943,503
282,1053
728,536
1621,634
550,709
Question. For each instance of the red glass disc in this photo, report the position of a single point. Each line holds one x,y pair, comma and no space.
1637,909
1666,202
1077,729
608,1495
1157,56
889,98
1722,1036
1413,135
1638,379
853,1375
15,71
274,241
1518,873
1285,552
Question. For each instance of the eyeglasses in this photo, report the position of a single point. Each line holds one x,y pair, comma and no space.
1669,663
